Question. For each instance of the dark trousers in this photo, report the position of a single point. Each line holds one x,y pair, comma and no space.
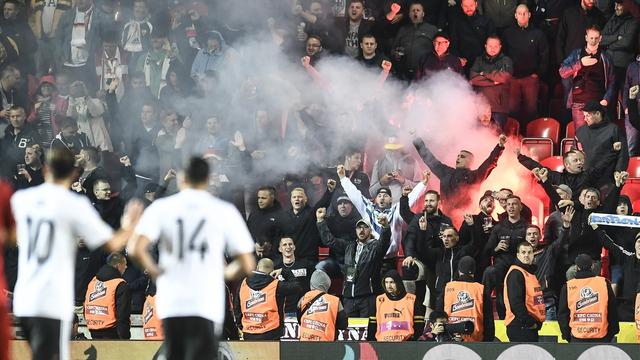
45,337
493,278
189,338
524,98
106,334
360,307
516,334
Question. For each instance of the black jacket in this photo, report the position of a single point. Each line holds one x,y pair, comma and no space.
301,227
263,224
468,35
514,233
571,28
110,211
564,313
432,63
576,182
259,281
517,293
528,49
13,147
416,243
631,267
366,274
547,257
123,300
619,37
456,184
597,142
476,232
74,144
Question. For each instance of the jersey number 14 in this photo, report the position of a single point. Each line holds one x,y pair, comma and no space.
196,240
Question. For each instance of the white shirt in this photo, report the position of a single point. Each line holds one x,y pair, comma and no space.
193,229
47,16
50,219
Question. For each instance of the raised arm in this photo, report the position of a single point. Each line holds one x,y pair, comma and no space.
357,199
326,237
432,162
491,162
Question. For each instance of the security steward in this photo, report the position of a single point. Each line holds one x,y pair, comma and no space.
395,308
259,303
466,300
321,314
587,311
107,304
524,302
151,323
638,314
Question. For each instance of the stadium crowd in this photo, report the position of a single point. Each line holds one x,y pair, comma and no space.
134,87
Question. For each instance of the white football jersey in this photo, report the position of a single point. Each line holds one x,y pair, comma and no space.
50,220
194,230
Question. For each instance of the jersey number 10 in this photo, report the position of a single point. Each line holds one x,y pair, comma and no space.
35,233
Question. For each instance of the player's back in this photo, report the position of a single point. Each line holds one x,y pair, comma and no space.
193,229
49,221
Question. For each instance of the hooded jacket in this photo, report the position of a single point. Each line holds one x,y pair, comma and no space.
564,312
263,224
123,300
206,60
366,273
259,281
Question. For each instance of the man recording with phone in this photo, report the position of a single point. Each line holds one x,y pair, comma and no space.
439,330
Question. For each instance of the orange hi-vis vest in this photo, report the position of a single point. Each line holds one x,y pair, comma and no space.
638,316
588,301
534,301
318,323
151,324
100,304
394,318
463,301
259,308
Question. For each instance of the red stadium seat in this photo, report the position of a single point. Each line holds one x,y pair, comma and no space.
632,189
512,127
634,167
570,131
567,144
537,210
538,148
554,163
544,128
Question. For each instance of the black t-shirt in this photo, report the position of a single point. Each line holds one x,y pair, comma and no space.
589,84
299,271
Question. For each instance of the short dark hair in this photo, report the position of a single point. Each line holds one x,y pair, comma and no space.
17,108
506,189
437,314
370,36
495,37
593,27
523,243
115,258
529,226
572,151
432,192
197,171
60,163
314,36
269,188
14,2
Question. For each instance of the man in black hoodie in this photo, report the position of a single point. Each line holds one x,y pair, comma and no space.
109,275
263,221
594,293
256,283
395,307
341,224
109,208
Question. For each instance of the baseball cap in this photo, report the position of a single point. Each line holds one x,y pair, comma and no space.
566,189
342,198
584,262
467,265
487,194
392,143
364,222
384,190
593,106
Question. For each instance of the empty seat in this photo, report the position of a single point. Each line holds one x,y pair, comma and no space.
544,128
554,163
634,167
537,148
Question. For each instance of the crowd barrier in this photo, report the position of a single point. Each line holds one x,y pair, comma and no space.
271,350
